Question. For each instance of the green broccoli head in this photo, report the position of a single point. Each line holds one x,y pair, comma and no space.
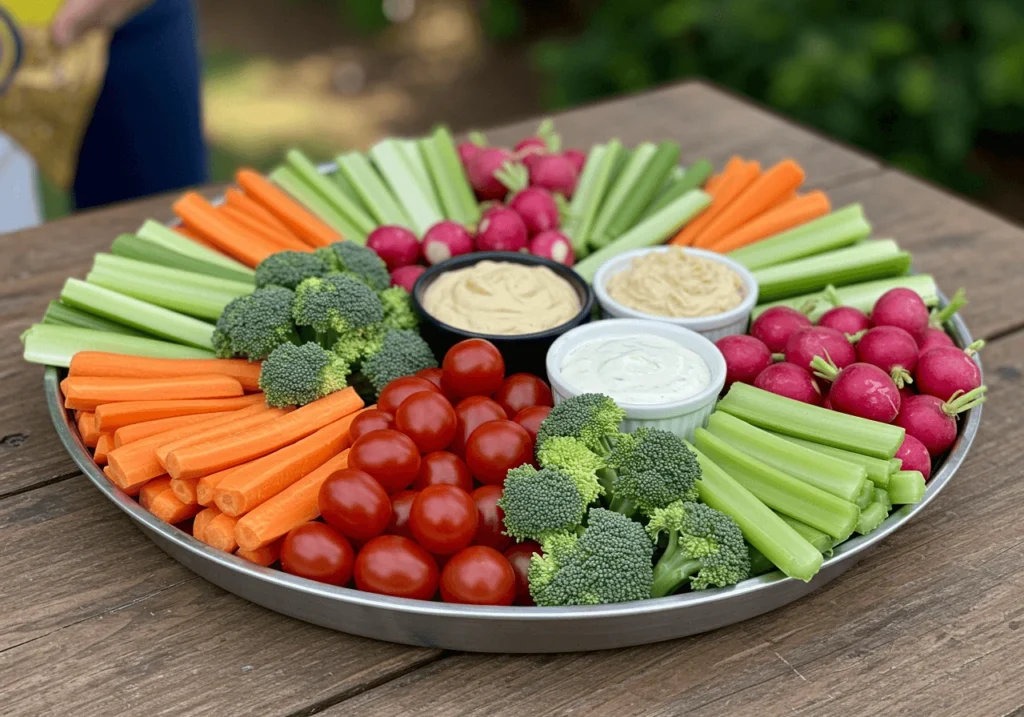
705,546
591,417
402,353
254,325
359,262
572,457
335,303
538,503
655,469
224,329
398,309
290,268
610,562
296,375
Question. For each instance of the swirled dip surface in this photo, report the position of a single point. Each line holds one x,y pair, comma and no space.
676,284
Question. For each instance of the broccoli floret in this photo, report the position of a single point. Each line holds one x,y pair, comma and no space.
296,375
359,262
256,324
570,456
539,503
610,562
290,268
335,304
402,353
221,338
398,309
654,468
591,417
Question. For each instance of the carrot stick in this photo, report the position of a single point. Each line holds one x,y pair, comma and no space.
203,519
202,217
730,187
295,505
294,216
246,222
137,431
166,506
198,460
237,199
734,163
779,181
104,445
265,556
220,533
788,196
152,489
88,428
101,363
87,392
189,234
206,488
111,416
185,489
251,420
795,212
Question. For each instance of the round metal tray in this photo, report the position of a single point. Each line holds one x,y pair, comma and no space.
497,629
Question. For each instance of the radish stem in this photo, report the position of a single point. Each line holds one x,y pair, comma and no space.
939,317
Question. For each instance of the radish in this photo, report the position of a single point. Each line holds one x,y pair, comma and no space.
776,325
903,308
577,158
406,276
933,422
790,381
891,349
914,456
553,245
935,338
805,344
445,240
544,140
482,169
846,320
946,370
501,230
537,208
745,358
469,150
555,173
906,391
531,145
397,246
860,389
827,403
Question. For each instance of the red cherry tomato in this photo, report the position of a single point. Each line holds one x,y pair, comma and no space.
389,456
478,575
531,418
400,389
372,419
434,376
523,390
354,503
443,519
393,565
519,556
473,367
428,419
490,518
471,413
495,447
443,468
401,504
318,552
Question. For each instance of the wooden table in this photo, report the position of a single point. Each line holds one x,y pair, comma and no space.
95,620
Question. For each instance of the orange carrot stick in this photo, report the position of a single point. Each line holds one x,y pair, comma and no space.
237,199
206,488
300,221
87,392
198,460
783,198
185,490
137,431
203,519
250,420
111,416
152,489
104,445
101,363
88,428
734,163
246,222
189,234
265,556
730,187
202,217
795,212
166,506
220,533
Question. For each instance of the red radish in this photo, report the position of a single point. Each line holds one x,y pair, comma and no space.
906,391
827,403
577,158
501,230
790,381
745,358
406,276
481,171
903,308
891,349
846,320
914,456
487,207
537,208
468,151
397,246
860,389
531,145
553,245
445,240
822,341
776,325
545,140
933,422
944,371
555,173
935,338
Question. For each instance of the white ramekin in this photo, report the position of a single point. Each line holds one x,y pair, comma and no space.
714,327
679,417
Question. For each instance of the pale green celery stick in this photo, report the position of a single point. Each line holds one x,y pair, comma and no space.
821,541
832,231
342,203
878,469
867,495
906,487
640,194
583,218
290,182
619,192
187,299
141,315
130,246
882,496
157,233
860,296
694,177
871,517
339,179
655,229
585,189
443,162
62,315
410,149
55,345
377,198
185,278
390,162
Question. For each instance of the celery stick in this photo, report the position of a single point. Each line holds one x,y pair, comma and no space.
191,300
780,491
586,189
449,177
878,469
375,194
640,193
156,233
761,527
130,246
695,177
339,179
586,207
793,418
906,487
861,296
822,542
132,267
146,317
342,203
841,479
860,262
882,496
867,495
832,231
59,314
655,229
390,162
410,150
619,192
290,182
55,345
871,517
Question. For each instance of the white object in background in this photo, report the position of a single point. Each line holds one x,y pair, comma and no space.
20,207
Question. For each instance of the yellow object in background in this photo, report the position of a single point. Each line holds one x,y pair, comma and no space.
39,13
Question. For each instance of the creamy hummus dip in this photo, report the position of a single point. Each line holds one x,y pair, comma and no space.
676,284
502,298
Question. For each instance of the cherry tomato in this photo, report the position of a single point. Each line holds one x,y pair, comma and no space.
389,456
372,419
490,518
400,389
473,367
434,376
443,468
443,519
401,504
471,412
318,552
428,419
354,503
478,575
531,418
495,447
523,390
393,565
519,556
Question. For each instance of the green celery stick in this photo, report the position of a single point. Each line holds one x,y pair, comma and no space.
878,469
867,495
130,246
342,203
640,194
156,233
401,179
694,177
871,517
290,182
860,296
822,542
55,345
619,192
449,177
338,178
832,231
187,299
585,189
62,315
882,496
583,218
132,267
377,198
410,149
906,487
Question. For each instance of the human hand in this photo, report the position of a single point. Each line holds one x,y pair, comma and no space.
77,17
